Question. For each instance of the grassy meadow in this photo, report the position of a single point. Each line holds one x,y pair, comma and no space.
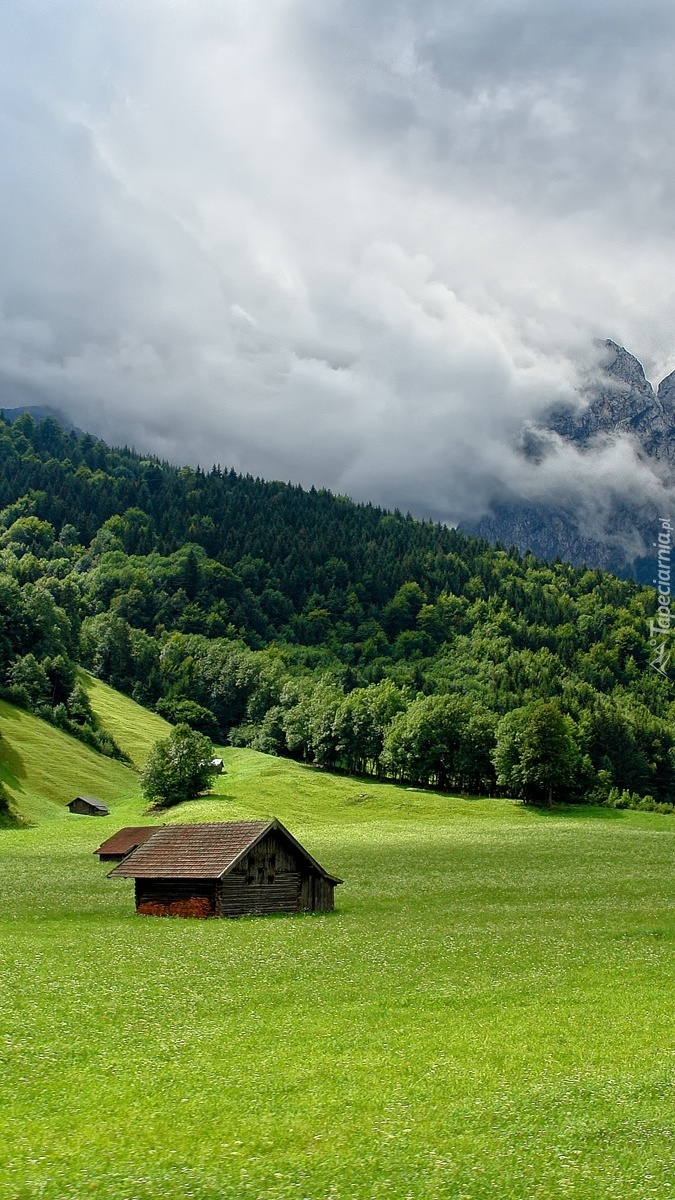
135,729
488,1013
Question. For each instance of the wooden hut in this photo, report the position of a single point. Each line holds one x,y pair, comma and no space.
88,806
226,869
115,848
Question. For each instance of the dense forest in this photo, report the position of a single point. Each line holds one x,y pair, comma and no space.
301,623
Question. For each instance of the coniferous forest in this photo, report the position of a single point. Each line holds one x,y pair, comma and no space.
300,623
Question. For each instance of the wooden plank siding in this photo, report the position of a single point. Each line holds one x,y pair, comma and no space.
236,897
322,893
266,880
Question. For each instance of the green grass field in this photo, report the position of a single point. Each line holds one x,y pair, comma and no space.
133,728
43,768
489,1012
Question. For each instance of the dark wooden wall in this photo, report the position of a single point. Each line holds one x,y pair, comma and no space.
267,880
273,877
325,895
317,893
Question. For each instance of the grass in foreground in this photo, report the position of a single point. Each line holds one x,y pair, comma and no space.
488,1013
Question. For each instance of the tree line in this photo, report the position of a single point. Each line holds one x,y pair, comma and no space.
299,623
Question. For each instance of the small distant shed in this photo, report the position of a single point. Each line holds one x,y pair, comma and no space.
226,869
123,842
217,764
88,806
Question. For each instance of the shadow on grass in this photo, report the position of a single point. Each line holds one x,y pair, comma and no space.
401,785
184,805
11,820
12,765
584,812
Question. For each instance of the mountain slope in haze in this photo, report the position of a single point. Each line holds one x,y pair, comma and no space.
606,522
614,530
624,402
41,412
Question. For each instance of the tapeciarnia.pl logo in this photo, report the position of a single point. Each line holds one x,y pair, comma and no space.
660,627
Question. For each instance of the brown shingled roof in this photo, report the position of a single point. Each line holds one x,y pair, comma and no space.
201,851
126,839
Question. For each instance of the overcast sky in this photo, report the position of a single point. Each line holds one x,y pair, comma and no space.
353,244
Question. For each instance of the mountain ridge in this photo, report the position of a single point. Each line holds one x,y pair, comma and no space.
610,529
613,530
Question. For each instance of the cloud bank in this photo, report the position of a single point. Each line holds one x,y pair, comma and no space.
356,245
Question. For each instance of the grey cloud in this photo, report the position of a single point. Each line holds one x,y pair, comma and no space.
356,245
556,105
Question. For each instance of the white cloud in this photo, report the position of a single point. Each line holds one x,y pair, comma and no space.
352,245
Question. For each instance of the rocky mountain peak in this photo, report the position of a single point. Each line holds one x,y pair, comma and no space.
618,363
618,401
666,395
621,400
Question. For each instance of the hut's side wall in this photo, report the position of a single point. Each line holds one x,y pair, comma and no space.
307,891
317,893
267,880
324,894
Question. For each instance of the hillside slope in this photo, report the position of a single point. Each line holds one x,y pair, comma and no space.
134,728
43,769
300,624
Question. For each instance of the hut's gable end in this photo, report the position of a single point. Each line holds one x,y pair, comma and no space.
267,879
273,855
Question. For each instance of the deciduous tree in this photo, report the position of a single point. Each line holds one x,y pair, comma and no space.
179,768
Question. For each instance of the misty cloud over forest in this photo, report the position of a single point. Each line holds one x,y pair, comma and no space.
356,245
